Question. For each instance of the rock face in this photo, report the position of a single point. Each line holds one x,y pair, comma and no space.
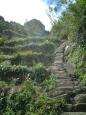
35,27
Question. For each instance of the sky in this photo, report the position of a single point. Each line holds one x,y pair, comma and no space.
25,10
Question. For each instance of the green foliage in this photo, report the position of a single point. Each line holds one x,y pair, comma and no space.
28,100
77,56
16,27
5,57
3,25
39,73
2,84
2,42
48,85
72,27
8,72
72,23
8,111
10,29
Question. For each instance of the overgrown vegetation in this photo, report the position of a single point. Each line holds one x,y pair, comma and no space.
71,26
25,82
28,100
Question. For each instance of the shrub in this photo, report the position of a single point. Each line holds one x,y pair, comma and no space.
29,101
39,73
8,72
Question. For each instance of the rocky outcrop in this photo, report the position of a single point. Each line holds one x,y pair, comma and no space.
35,28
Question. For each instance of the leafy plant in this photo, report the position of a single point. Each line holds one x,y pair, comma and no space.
9,72
39,73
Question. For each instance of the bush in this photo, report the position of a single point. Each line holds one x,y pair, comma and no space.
29,58
77,56
5,58
39,73
29,101
8,72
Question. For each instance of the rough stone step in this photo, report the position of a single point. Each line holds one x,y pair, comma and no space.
65,88
58,68
74,113
60,76
58,57
58,62
59,51
60,85
59,54
63,82
59,65
80,107
60,93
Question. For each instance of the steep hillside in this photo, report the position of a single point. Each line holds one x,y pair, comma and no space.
31,28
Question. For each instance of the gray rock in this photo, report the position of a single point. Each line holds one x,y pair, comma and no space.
70,67
68,107
80,98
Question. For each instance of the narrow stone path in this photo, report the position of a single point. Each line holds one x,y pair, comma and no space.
64,83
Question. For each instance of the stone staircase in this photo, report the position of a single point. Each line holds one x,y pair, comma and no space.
64,83
66,86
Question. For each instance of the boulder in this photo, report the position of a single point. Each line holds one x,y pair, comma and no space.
68,107
80,98
70,67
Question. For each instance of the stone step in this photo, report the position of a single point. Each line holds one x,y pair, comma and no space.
74,113
60,92
61,72
63,82
59,51
57,93
58,68
80,107
60,76
55,65
59,57
64,88
58,62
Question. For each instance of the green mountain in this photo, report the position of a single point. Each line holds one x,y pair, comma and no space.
31,28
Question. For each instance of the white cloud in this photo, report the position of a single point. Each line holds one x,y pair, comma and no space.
19,10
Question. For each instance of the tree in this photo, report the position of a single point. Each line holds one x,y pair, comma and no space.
72,23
